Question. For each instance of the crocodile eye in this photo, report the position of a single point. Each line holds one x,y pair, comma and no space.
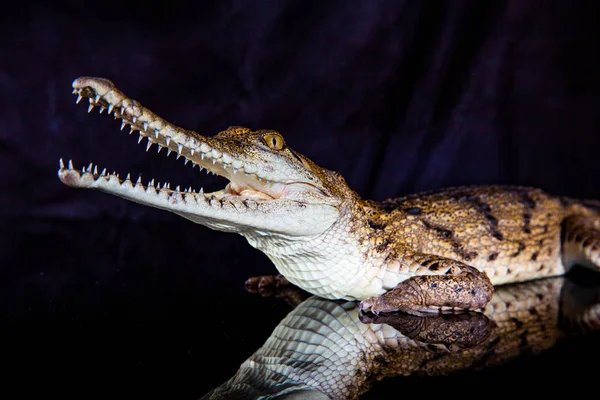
274,141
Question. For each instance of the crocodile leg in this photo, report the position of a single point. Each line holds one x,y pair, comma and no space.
581,242
277,286
257,284
451,285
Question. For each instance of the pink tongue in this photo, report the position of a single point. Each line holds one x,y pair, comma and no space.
236,189
254,195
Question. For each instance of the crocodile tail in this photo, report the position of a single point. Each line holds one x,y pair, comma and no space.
588,207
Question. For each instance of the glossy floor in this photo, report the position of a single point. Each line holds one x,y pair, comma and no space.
160,308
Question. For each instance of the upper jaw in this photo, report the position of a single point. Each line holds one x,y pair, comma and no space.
201,151
215,155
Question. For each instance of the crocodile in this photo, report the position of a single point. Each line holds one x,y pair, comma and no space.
327,350
427,252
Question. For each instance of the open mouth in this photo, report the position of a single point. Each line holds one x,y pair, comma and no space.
246,184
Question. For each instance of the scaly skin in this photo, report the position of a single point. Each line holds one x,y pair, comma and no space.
420,253
322,350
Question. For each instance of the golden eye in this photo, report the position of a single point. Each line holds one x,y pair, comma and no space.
274,141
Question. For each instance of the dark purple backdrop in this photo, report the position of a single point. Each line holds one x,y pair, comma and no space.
398,96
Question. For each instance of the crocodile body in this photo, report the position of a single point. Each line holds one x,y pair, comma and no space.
423,252
321,349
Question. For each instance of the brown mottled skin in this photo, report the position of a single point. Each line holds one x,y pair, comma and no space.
419,253
511,233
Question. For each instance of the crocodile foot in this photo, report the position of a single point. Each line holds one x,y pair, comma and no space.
265,285
460,288
277,286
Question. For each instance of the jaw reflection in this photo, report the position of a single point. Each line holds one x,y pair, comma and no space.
328,348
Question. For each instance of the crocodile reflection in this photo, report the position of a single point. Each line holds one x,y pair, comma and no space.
328,350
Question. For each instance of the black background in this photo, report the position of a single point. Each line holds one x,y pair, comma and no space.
398,96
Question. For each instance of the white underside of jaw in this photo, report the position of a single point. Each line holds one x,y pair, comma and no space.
152,194
222,210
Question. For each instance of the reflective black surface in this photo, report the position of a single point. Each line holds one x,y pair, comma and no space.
161,308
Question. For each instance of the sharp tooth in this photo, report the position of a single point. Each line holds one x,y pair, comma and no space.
168,152
70,164
202,156
95,170
103,172
90,166
190,189
156,132
159,148
110,108
79,97
214,161
123,124
131,129
178,155
83,170
200,168
140,139
97,98
90,107
122,110
134,118
234,171
167,139
186,161
168,185
201,191
139,180
61,164
179,147
145,125
74,91
192,152
128,177
178,188
101,110
148,145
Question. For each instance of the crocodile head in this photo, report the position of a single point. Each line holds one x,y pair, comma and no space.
272,189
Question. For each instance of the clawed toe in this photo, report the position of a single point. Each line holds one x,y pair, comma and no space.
368,305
